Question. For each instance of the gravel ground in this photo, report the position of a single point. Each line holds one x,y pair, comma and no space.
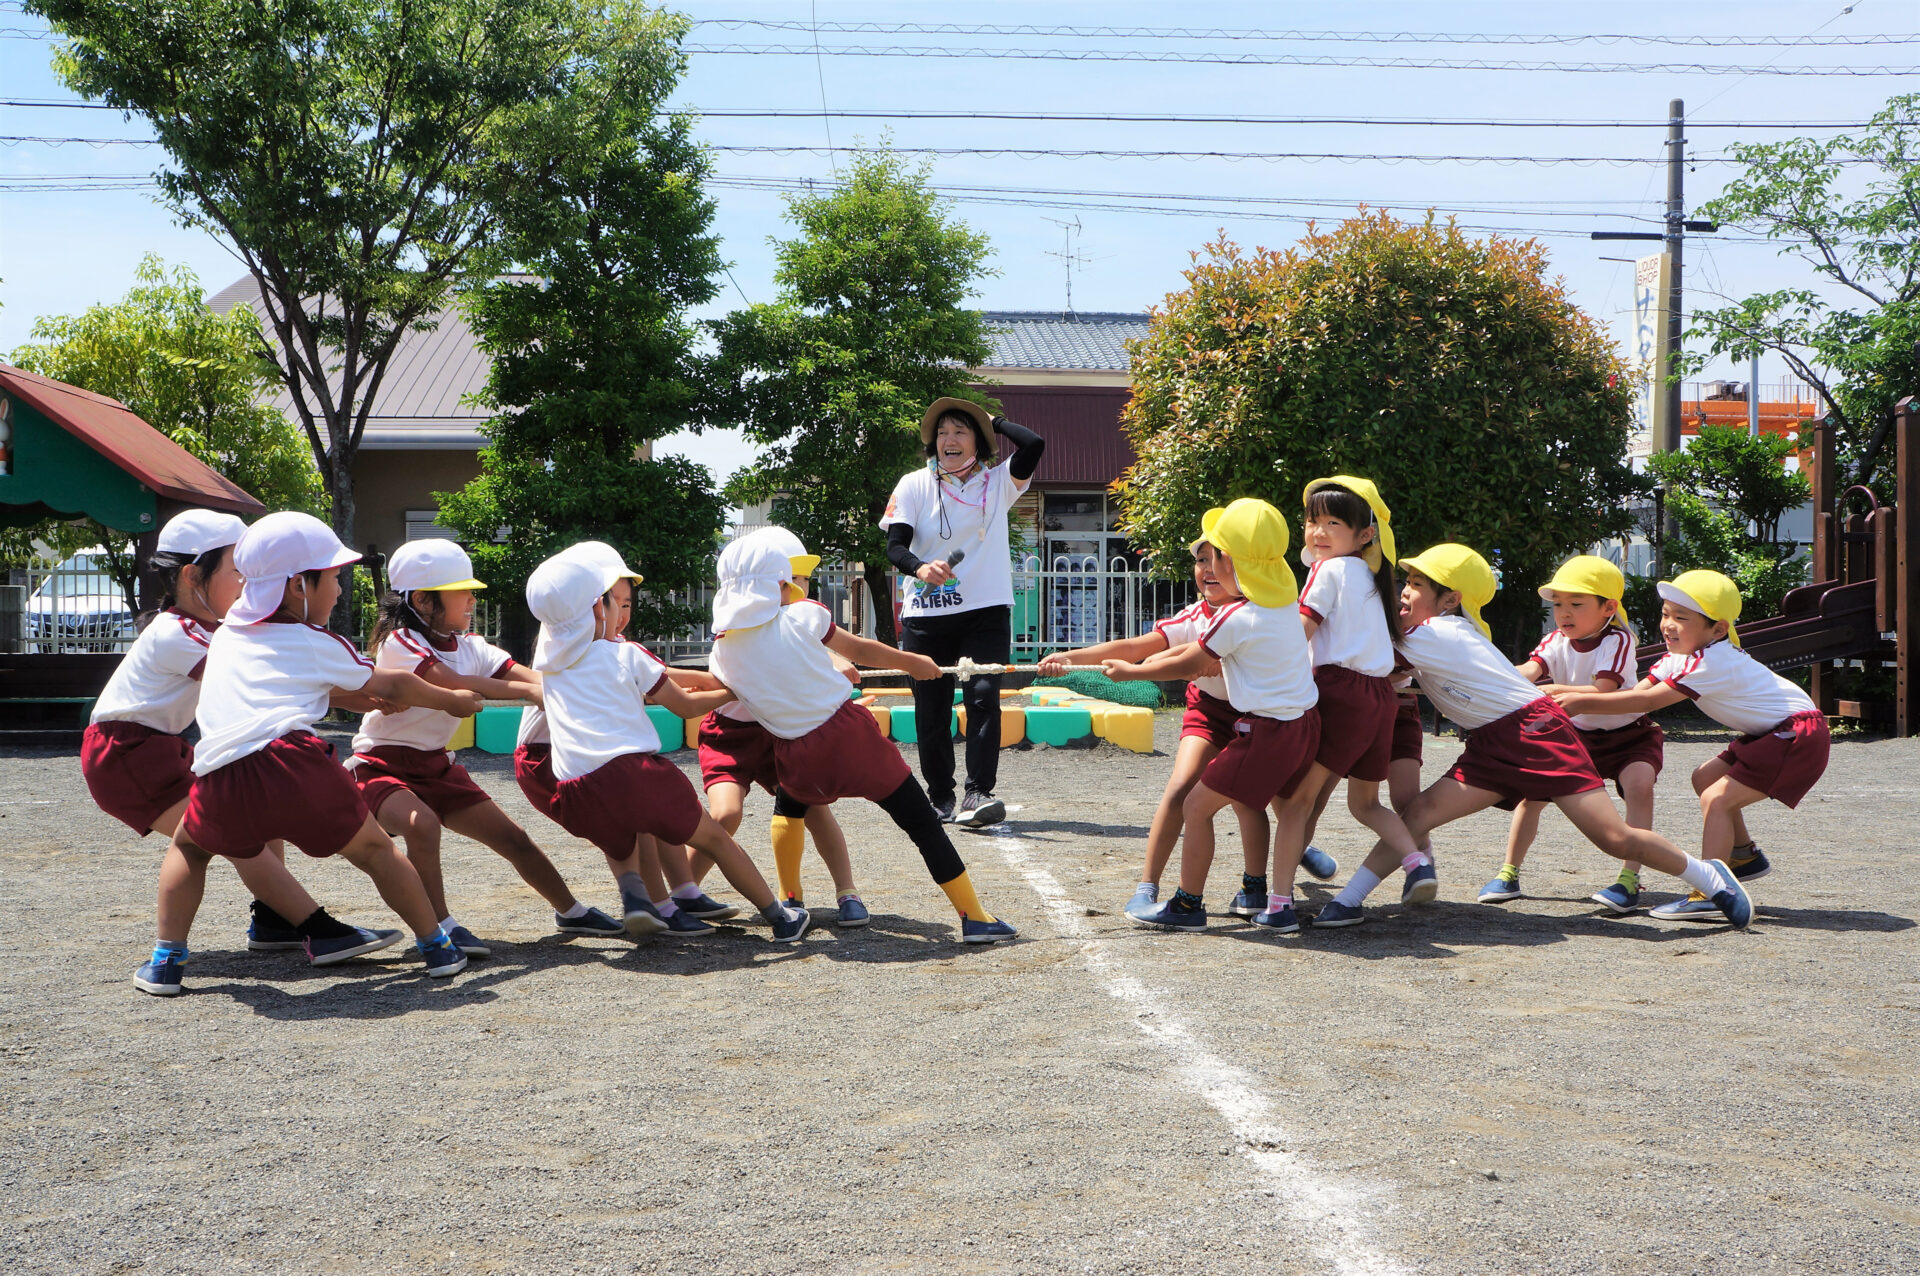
1455,1089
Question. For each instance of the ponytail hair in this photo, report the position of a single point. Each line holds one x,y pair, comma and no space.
1330,500
167,567
397,612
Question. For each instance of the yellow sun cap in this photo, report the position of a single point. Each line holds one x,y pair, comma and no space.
1586,574
1458,568
1254,534
1382,516
1709,593
1207,520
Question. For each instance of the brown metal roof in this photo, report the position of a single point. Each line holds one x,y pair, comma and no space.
1081,424
110,428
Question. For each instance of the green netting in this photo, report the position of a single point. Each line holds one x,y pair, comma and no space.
1085,682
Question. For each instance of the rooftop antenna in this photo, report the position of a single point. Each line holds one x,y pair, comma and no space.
1070,259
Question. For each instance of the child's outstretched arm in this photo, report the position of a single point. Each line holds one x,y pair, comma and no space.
1530,669
1645,698
1188,660
681,702
1137,648
414,692
695,680
488,688
877,655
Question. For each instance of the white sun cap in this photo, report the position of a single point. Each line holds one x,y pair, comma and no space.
751,571
195,532
561,593
274,551
430,564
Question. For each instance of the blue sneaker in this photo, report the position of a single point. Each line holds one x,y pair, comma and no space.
468,942
1334,913
684,923
642,918
795,925
1502,889
1754,867
1282,919
269,932
1248,905
1619,900
1318,864
592,922
1146,897
1422,886
706,908
852,913
973,932
331,952
1694,908
443,958
161,978
1167,917
1732,900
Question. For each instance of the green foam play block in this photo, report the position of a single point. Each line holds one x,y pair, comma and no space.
1051,724
496,727
905,730
667,724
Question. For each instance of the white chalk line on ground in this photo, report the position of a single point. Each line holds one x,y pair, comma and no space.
1326,1208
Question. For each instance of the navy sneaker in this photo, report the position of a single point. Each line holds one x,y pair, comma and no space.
1281,919
1167,917
706,908
1732,900
790,930
642,918
1318,864
973,932
1694,908
469,943
1246,905
1618,899
592,922
944,810
269,932
1334,913
331,952
1146,897
1754,867
1502,889
684,923
161,978
443,959
1422,886
852,913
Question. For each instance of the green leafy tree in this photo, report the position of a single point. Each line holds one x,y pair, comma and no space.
833,377
593,356
1848,206
1449,370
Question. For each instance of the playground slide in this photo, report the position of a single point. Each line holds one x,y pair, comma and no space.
1817,623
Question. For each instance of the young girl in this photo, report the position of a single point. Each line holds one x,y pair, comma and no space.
611,784
261,773
1205,730
1520,744
1590,647
1261,645
135,757
772,648
400,760
1781,752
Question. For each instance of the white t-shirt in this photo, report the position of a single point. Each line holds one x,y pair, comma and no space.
267,680
782,670
1264,659
1342,596
597,709
157,683
468,655
533,728
945,517
1463,673
1605,657
1732,687
1190,624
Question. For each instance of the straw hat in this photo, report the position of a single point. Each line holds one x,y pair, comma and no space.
966,407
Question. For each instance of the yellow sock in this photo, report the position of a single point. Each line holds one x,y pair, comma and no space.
789,844
960,891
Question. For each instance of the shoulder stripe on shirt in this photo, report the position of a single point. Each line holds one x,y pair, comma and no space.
191,630
355,651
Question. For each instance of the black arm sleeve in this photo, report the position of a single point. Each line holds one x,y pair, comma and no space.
899,553
1027,448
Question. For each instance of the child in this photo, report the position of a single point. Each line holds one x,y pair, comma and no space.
1261,645
611,783
261,773
772,647
1520,744
135,756
1205,730
1590,647
410,781
1781,752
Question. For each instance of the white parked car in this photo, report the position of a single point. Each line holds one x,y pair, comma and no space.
79,607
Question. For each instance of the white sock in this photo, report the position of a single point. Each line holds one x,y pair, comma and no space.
1702,876
447,923
668,908
1151,886
844,896
687,890
1358,887
578,910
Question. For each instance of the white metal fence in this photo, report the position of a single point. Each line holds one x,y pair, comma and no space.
64,605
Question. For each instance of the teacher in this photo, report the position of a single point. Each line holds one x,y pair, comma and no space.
947,535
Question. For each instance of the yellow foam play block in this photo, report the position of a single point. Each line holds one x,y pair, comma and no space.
882,716
1013,724
1129,727
462,735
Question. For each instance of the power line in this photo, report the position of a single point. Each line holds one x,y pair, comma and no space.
1036,152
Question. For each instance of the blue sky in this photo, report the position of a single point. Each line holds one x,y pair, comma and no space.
61,250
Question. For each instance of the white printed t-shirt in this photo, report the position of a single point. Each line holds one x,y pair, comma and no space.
430,730
1732,687
1190,624
1341,595
267,680
1590,662
1264,658
157,683
597,708
945,517
1463,673
782,670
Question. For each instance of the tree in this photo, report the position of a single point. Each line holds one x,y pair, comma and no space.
1487,407
1849,206
834,375
593,357
191,374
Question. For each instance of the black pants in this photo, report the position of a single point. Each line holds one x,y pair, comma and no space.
985,637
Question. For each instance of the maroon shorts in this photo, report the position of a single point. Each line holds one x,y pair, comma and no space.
1782,763
134,772
533,772
845,756
1267,758
1356,722
735,752
1409,732
1208,717
442,784
633,794
1532,754
1616,749
292,789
